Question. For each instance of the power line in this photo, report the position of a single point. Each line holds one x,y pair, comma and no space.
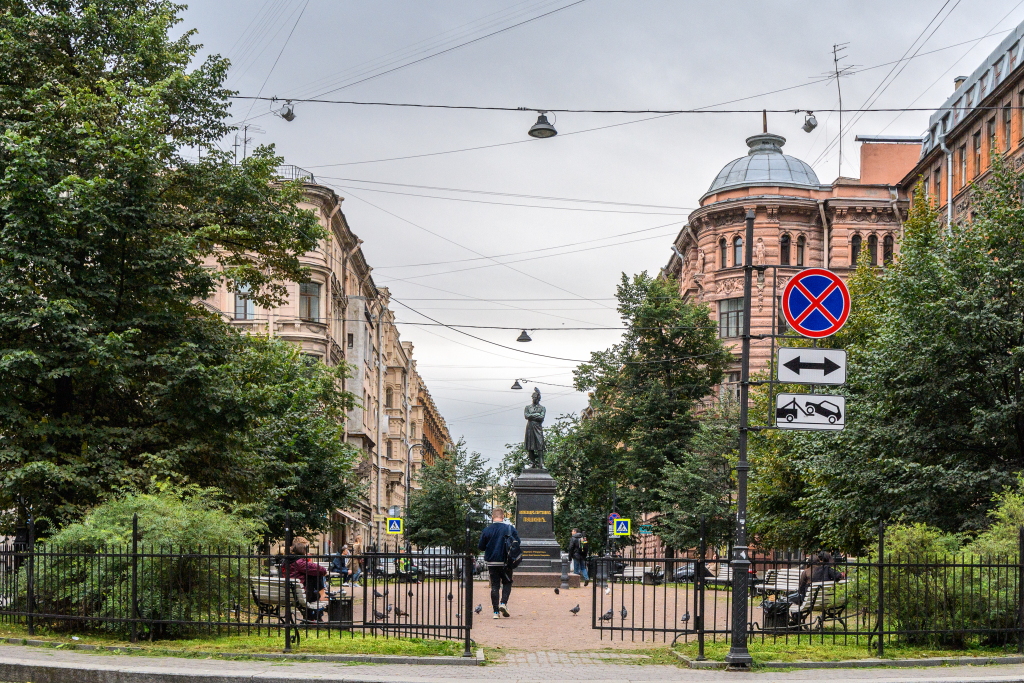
274,65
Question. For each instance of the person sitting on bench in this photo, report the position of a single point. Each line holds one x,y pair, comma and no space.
310,573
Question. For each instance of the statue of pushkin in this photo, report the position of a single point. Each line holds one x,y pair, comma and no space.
534,442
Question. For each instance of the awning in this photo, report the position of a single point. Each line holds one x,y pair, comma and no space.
351,518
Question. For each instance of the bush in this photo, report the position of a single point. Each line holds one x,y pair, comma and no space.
86,568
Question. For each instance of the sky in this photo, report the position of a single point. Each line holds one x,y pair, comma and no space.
487,236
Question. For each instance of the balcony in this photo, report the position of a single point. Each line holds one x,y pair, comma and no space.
290,172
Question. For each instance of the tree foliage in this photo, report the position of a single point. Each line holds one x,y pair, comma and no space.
935,422
451,488
111,235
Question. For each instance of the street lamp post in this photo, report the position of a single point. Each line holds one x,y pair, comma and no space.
740,561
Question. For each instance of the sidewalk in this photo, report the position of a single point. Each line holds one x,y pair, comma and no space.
43,665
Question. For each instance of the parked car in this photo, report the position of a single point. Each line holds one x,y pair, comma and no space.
687,573
438,562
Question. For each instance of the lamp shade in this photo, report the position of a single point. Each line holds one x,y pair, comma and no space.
810,123
523,337
543,129
288,111
517,385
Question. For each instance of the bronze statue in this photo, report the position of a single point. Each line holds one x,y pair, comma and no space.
534,442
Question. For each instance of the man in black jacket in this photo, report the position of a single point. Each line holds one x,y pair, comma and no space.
578,555
492,542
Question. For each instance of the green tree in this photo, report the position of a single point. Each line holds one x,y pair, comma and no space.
451,488
110,233
648,391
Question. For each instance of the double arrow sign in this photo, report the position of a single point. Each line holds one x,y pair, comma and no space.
812,366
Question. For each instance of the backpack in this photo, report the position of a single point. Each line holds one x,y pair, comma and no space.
513,551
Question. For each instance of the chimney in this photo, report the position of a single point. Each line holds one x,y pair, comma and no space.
958,81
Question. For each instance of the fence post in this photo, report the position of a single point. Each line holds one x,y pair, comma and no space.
286,585
701,549
135,579
468,577
30,579
1020,590
881,588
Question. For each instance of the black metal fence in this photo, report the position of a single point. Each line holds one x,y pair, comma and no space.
884,598
147,592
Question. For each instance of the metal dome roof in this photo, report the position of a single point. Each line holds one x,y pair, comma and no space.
765,164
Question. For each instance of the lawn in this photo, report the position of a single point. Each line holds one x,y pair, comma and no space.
257,644
792,651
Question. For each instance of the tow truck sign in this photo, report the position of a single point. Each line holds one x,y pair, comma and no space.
810,411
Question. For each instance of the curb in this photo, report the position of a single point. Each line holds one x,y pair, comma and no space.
446,660
863,663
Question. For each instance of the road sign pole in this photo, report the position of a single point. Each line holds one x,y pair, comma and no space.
738,653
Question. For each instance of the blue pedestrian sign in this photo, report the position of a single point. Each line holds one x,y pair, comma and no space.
816,303
394,525
622,527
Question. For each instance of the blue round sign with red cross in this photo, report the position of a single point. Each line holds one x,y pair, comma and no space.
816,303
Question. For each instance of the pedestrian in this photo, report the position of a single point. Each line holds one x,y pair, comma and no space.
578,555
496,541
310,573
357,563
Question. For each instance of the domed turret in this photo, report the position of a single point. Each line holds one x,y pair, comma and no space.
765,164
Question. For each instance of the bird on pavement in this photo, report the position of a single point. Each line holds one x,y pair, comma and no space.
390,606
410,594
450,596
380,616
377,593
575,610
608,616
479,608
556,591
623,612
399,612
685,617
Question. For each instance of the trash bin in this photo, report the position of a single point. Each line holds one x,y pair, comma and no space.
339,611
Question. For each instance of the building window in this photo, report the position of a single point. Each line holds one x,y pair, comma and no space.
976,153
873,250
800,244
309,301
784,250
351,340
390,451
1020,119
412,431
1013,58
737,251
1007,127
993,146
887,250
963,166
781,325
731,387
244,308
730,317
854,250
938,186
722,253
924,185
389,398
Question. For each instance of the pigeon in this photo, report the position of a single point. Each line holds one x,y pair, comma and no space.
410,594
623,612
556,591
399,612
379,616
575,610
623,609
450,596
479,608
377,593
458,616
608,616
685,617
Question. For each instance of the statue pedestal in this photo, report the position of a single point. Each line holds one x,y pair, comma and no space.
542,556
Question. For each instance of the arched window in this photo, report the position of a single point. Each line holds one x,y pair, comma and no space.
389,397
737,251
800,243
723,251
873,250
887,250
784,250
854,249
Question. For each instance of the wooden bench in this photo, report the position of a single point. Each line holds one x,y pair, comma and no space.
833,597
650,575
780,581
268,592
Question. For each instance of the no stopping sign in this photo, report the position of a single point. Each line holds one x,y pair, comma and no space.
816,303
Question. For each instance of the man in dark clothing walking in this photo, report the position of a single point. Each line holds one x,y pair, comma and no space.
492,542
578,555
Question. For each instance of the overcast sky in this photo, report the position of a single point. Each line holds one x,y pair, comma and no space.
640,180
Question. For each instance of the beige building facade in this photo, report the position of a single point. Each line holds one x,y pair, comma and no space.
340,316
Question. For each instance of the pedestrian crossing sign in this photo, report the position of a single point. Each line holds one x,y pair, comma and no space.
622,527
394,525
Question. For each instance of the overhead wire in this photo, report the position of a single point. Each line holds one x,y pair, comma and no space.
281,52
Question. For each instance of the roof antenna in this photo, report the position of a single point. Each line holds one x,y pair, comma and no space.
764,114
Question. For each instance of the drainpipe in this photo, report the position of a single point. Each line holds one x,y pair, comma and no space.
380,409
827,230
949,181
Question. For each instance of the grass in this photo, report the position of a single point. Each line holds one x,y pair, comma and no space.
792,651
344,643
